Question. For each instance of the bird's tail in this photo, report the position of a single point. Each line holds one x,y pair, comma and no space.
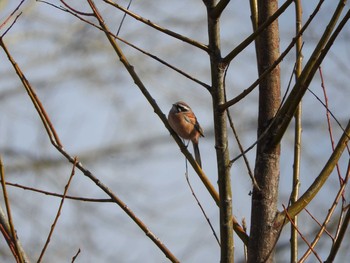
197,154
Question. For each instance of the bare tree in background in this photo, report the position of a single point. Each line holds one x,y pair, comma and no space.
277,105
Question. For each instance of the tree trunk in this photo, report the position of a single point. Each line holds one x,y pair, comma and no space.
267,167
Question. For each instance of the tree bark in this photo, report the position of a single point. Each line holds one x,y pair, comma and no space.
267,167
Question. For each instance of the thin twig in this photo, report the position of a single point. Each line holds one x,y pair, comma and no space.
329,122
327,109
14,21
75,198
18,255
200,205
37,104
75,10
76,255
121,22
58,212
246,161
301,235
10,16
329,215
159,28
319,224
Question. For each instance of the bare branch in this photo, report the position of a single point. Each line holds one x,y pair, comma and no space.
38,105
75,10
75,198
10,16
159,28
58,212
200,206
18,251
301,235
328,217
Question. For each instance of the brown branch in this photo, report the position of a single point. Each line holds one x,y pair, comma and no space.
328,217
159,28
246,161
58,212
18,253
330,131
10,16
75,10
319,224
75,198
37,104
301,235
76,255
200,205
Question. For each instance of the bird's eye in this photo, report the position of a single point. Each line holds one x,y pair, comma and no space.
182,108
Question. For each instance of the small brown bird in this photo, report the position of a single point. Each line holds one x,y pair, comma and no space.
183,121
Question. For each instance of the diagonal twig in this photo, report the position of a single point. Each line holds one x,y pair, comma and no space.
75,198
200,205
329,214
37,104
159,28
58,212
301,235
